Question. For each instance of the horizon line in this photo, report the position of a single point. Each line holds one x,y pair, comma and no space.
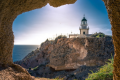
26,44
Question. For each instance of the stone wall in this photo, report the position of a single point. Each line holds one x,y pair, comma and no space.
73,35
84,30
79,35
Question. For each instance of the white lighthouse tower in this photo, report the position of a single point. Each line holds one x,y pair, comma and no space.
84,29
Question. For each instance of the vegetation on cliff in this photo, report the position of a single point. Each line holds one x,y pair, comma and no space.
58,37
100,34
104,73
41,62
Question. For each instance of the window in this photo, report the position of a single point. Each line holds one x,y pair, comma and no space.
82,23
83,32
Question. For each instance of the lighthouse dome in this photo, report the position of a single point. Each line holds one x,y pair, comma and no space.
84,19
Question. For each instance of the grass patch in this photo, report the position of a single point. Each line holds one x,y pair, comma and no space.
35,68
104,73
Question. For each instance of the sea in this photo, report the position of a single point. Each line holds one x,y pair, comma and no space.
20,51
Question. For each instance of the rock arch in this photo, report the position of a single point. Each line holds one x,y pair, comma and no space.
9,9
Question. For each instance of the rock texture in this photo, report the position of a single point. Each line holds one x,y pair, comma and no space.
9,12
113,9
9,9
75,52
37,57
67,56
79,74
14,72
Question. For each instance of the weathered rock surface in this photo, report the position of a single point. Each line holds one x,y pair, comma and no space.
37,57
80,73
113,9
72,53
67,56
14,72
9,9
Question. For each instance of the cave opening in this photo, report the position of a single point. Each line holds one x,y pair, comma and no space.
35,28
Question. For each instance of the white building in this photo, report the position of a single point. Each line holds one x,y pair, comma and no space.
84,30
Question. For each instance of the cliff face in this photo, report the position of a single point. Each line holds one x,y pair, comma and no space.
37,57
10,9
113,9
70,53
67,56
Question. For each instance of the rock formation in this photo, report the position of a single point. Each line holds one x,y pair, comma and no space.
54,58
113,9
37,57
75,52
10,9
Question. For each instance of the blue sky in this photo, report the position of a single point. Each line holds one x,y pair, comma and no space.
35,26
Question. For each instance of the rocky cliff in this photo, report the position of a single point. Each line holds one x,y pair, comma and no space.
37,57
10,9
72,53
68,54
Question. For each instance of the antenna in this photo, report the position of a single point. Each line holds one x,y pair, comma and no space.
84,15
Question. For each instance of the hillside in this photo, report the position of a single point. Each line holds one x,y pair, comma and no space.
71,58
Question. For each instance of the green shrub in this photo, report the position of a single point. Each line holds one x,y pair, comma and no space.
35,68
100,34
58,78
104,73
97,36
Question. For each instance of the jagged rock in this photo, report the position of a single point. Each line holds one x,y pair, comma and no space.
10,9
74,52
14,72
37,57
69,56
70,53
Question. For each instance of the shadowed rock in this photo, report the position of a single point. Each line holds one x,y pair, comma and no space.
65,56
10,9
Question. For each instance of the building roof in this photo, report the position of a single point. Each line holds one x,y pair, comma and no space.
84,19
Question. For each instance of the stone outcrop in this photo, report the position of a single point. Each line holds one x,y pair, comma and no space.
70,53
54,58
9,12
81,73
14,72
74,52
113,9
10,9
37,57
